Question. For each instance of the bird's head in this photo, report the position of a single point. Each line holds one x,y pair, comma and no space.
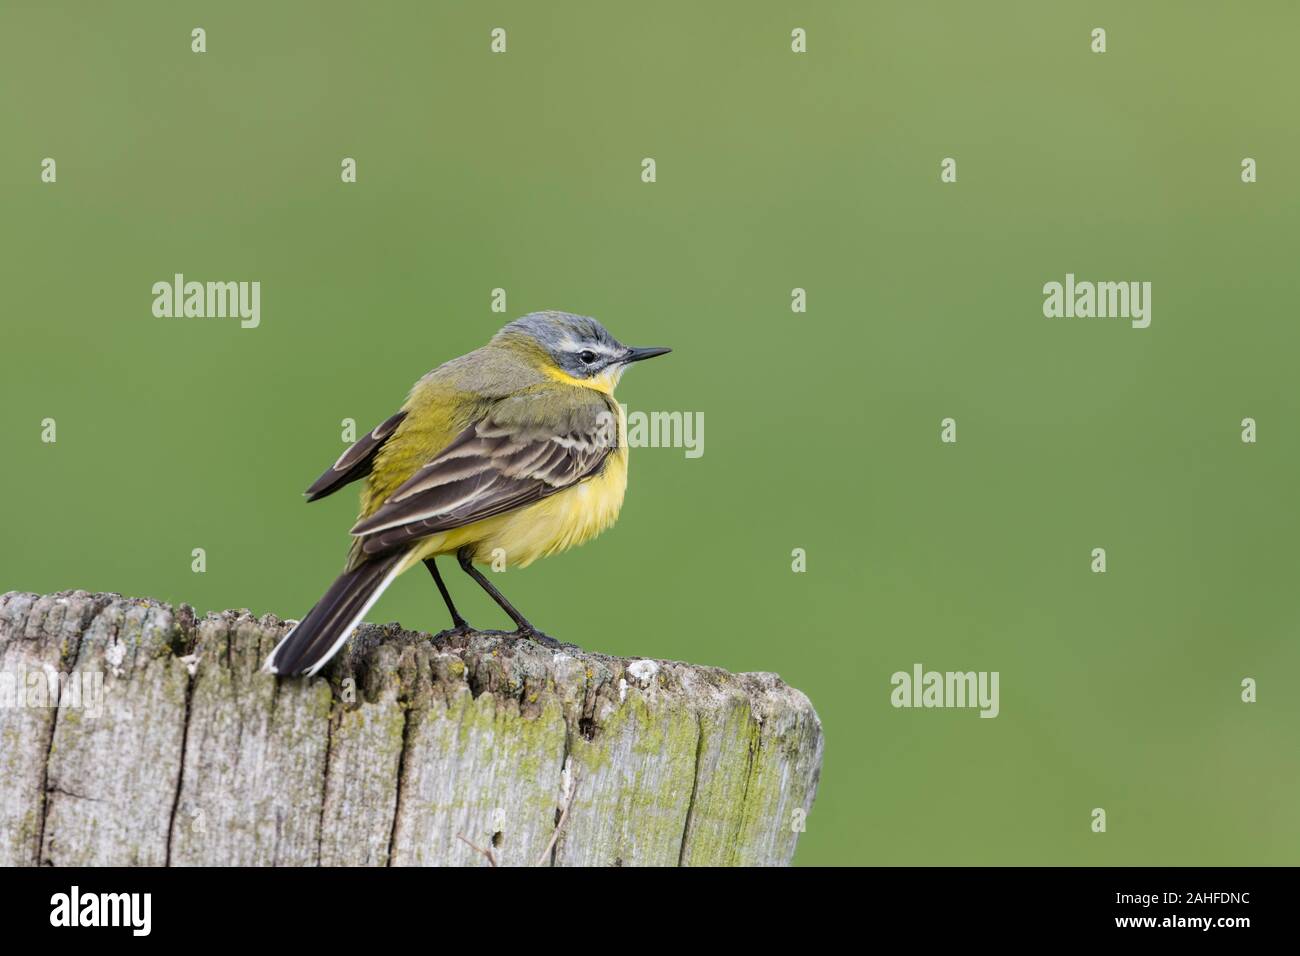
574,349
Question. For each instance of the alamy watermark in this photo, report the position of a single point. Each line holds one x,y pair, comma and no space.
75,908
666,430
179,299
654,430
1102,300
922,688
40,689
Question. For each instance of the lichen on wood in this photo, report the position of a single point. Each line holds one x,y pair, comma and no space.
408,750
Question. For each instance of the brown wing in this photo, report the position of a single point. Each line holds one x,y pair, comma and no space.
356,462
505,461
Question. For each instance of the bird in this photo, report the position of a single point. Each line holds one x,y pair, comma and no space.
512,452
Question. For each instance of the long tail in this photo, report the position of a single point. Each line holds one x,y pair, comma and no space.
319,635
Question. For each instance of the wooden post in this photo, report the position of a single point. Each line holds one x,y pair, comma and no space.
133,733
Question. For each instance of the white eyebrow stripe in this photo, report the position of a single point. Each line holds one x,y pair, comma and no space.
573,345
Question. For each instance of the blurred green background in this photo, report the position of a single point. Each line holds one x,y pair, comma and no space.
775,170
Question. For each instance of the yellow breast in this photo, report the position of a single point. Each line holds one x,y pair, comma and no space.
562,521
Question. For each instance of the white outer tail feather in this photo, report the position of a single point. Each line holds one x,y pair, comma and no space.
270,668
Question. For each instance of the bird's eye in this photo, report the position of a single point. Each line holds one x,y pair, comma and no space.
587,356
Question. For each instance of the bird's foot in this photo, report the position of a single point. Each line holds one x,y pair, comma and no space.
528,632
461,629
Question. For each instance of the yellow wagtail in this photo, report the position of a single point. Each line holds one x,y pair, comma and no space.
514,451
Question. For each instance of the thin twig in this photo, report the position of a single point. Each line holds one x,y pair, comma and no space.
559,825
491,857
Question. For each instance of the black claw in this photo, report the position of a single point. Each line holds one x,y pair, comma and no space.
537,637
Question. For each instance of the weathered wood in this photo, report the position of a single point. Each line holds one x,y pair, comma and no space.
411,750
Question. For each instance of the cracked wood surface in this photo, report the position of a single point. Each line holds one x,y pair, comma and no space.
408,749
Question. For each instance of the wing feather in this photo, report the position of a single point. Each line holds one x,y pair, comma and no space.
504,461
356,462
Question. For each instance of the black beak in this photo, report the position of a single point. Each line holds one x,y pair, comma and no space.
636,355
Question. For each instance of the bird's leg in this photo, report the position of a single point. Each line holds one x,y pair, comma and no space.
459,624
522,627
